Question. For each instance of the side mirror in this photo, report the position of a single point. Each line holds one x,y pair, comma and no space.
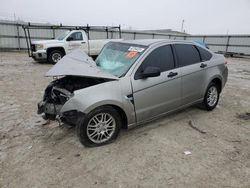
70,39
151,72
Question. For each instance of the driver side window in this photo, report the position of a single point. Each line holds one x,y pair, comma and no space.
76,36
161,58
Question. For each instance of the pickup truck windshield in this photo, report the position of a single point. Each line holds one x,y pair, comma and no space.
62,36
117,58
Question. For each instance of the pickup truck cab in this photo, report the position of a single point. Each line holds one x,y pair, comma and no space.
54,50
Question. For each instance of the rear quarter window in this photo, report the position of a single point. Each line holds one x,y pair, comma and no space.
205,55
187,54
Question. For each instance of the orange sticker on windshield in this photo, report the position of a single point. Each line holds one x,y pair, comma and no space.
131,54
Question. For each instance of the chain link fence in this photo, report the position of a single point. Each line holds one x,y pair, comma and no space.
12,37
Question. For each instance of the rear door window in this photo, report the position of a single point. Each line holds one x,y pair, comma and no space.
161,57
187,54
205,55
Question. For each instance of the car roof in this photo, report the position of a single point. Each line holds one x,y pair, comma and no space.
149,42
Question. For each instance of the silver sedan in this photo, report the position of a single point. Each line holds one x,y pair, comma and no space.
130,83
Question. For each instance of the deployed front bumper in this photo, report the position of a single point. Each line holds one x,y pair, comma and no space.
53,111
49,109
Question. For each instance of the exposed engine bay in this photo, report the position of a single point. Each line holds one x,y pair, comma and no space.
59,91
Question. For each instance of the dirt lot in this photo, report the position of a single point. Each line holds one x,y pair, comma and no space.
36,154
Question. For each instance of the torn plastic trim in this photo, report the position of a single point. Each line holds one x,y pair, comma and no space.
72,117
53,112
48,108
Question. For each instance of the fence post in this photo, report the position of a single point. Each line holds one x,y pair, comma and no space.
228,39
134,35
18,37
107,32
54,35
111,34
204,38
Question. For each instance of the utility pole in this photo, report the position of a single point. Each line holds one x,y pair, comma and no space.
182,25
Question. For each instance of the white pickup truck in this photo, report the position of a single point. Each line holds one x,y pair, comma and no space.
54,50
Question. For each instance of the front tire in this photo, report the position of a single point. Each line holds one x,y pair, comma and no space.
101,126
212,96
55,56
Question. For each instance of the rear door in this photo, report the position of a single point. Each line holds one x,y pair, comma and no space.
193,72
156,95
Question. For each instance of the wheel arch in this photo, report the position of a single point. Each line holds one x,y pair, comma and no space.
118,108
50,49
218,82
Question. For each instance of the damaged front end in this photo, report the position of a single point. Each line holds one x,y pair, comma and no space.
76,71
58,92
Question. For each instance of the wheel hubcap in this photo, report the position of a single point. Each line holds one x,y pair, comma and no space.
212,96
101,128
56,57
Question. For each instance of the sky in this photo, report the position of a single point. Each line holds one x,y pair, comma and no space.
200,16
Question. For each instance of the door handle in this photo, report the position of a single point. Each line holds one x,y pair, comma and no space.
83,42
203,65
172,74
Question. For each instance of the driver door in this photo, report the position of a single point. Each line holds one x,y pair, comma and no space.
76,41
154,96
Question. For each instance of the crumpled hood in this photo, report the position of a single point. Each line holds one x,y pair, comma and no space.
78,63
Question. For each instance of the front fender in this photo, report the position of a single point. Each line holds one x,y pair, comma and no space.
55,44
109,93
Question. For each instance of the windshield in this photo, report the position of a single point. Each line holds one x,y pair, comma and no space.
62,35
117,58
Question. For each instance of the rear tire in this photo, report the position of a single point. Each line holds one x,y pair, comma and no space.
211,97
55,56
101,126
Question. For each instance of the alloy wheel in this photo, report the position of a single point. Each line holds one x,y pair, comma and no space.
212,96
101,127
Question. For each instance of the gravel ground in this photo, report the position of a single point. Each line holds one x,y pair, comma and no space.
35,153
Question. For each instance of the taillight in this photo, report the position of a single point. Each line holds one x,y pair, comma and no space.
225,62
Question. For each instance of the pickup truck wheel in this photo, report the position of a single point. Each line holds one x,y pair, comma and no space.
212,96
101,126
55,56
